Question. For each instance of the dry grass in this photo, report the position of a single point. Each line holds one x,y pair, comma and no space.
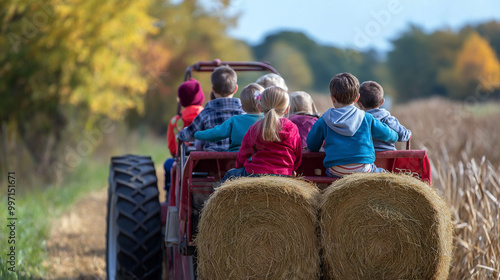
463,143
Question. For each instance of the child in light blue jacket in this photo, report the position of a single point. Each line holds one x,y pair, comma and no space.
235,127
371,98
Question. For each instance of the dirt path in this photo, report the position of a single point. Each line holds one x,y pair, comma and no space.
77,243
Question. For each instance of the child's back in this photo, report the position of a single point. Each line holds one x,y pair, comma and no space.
347,131
302,113
217,111
191,98
237,126
370,100
272,145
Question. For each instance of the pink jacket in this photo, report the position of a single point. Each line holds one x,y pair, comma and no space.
266,157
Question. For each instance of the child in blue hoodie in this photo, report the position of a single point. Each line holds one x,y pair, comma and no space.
371,98
347,131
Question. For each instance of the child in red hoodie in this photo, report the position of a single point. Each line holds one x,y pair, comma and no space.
191,97
272,145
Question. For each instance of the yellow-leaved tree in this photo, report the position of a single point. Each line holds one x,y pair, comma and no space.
476,68
63,60
477,61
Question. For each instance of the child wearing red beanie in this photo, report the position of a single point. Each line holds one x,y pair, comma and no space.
191,97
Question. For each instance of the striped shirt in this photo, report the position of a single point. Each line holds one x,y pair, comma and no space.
343,170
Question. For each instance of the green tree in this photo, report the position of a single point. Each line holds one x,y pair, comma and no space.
410,64
292,64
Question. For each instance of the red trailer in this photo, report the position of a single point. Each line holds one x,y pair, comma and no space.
148,240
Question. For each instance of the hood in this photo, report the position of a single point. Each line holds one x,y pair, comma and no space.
344,121
287,128
379,113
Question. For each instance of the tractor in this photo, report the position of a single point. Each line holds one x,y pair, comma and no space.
146,239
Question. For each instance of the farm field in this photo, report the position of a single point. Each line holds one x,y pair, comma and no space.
460,141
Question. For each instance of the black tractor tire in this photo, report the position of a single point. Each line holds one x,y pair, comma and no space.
134,229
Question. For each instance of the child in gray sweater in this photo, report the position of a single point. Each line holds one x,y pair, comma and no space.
371,98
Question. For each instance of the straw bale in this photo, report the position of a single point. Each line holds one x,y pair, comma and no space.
259,228
384,226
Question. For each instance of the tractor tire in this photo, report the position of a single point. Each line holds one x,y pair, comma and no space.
134,229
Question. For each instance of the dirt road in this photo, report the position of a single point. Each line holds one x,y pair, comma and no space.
77,240
77,243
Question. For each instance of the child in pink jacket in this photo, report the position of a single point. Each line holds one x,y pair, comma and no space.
272,145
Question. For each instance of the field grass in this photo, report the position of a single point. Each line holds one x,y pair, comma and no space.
462,143
36,208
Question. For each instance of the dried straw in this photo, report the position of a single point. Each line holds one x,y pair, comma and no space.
384,226
259,228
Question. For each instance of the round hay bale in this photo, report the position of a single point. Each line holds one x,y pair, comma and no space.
259,228
384,226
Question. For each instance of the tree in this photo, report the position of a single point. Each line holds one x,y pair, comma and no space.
410,65
476,68
292,64
59,58
189,32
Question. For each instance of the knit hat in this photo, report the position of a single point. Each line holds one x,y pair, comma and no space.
190,93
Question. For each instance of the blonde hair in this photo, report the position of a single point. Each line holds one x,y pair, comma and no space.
273,103
249,98
271,79
302,103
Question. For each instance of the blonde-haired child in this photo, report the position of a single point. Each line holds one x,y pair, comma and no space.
272,145
303,113
236,126
270,80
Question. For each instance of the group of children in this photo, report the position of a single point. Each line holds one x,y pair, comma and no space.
270,128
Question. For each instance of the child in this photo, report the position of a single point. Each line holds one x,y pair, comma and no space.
272,145
347,131
191,97
271,79
371,97
217,111
303,113
236,126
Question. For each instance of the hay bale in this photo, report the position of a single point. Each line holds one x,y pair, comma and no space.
259,228
384,226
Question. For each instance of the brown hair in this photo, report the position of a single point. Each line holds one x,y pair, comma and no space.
248,98
273,103
344,87
224,80
371,95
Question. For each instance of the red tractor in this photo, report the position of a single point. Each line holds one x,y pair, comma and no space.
146,239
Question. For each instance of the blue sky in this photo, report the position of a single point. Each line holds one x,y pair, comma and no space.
358,24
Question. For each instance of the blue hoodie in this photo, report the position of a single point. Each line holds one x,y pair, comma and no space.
385,117
348,133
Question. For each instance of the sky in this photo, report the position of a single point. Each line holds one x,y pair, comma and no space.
358,24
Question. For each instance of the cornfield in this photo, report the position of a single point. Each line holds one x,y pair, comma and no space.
463,144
